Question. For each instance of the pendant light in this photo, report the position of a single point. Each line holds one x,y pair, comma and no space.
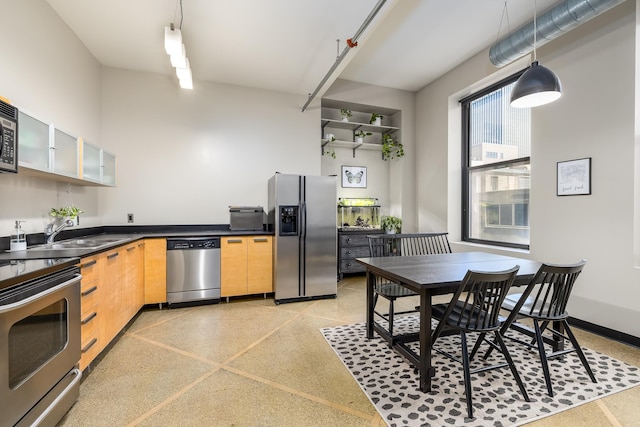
538,85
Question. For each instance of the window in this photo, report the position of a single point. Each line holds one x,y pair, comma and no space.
496,141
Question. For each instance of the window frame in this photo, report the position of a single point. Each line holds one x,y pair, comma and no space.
465,104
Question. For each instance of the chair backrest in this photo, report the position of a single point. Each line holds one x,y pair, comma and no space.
408,244
479,308
548,292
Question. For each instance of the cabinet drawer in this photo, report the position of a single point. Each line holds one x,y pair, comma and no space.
89,325
88,296
89,269
89,351
354,252
351,266
354,240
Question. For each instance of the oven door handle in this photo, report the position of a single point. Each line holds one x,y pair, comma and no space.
40,295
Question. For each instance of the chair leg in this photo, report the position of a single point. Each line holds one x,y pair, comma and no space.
476,347
512,365
543,357
467,374
391,317
581,355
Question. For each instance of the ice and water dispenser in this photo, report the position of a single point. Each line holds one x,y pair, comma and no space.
288,220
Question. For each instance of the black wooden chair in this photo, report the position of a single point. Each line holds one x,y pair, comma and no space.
544,301
475,308
384,245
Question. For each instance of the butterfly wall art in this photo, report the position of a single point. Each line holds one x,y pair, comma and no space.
354,176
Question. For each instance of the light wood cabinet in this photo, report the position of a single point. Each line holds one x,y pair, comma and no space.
260,265
134,277
155,271
113,302
245,265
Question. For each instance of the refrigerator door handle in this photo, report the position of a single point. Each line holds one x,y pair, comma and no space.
303,220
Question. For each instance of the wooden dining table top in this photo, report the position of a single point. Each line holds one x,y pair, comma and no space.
444,270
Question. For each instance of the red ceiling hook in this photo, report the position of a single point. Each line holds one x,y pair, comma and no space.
351,44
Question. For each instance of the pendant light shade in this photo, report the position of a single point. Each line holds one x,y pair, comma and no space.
172,40
536,86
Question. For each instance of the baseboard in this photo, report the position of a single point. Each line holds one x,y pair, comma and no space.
605,332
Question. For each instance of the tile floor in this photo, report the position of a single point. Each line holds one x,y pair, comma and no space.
252,363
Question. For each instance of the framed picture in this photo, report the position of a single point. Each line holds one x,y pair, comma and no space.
574,177
354,176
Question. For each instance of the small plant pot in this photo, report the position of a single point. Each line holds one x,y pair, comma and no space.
377,122
390,231
359,140
345,119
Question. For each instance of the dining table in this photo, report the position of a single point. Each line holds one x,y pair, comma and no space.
428,276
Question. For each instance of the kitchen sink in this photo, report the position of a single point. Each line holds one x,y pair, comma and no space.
89,243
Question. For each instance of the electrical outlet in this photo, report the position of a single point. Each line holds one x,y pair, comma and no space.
129,217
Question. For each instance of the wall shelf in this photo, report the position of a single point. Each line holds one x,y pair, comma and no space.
344,132
355,126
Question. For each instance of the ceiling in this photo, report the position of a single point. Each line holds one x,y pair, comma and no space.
289,45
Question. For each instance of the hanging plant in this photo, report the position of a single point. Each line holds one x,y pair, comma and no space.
331,153
391,149
65,212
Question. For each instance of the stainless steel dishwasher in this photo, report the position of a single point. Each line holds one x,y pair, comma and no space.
193,269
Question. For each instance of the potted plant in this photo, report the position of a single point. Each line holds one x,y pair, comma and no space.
376,119
390,148
360,136
331,153
391,224
345,113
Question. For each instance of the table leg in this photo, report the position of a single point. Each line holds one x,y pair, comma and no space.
371,279
424,367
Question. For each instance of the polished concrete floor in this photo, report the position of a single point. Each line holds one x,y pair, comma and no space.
252,363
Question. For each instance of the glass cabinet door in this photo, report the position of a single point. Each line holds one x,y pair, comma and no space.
90,162
33,143
108,168
65,155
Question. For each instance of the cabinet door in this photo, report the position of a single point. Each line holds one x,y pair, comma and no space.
65,154
134,270
33,143
155,271
233,266
114,296
108,169
90,162
260,266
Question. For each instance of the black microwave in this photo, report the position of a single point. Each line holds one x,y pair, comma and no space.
8,138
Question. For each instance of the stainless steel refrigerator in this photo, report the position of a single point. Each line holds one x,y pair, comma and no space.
302,213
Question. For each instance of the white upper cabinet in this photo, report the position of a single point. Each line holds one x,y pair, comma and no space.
108,169
90,162
33,140
51,153
65,154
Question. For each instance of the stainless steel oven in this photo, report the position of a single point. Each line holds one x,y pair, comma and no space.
39,348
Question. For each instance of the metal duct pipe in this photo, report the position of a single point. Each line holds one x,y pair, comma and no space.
560,19
346,50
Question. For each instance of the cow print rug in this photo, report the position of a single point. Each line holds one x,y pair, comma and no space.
392,385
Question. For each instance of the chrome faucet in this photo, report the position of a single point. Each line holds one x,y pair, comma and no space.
51,231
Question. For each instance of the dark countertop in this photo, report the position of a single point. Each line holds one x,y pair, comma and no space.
128,234
19,271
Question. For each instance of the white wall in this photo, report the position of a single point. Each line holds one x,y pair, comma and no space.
594,118
185,156
46,71
393,181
